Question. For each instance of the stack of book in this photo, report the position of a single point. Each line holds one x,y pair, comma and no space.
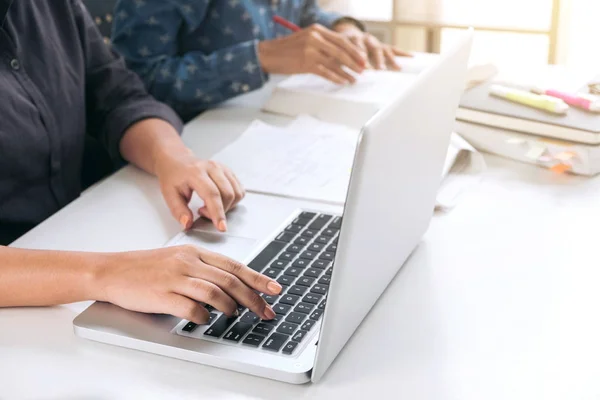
567,142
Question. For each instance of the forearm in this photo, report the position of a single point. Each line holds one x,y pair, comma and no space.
149,141
46,278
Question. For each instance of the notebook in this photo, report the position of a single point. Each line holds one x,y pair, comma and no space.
477,106
558,155
353,105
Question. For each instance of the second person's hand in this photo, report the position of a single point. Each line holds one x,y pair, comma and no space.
316,50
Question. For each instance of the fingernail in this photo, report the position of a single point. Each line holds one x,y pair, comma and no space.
223,226
185,220
269,313
274,287
236,313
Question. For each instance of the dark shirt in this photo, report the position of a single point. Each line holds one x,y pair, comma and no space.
58,81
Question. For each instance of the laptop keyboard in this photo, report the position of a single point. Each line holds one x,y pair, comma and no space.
300,259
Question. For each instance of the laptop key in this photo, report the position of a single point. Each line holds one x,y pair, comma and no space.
285,280
302,240
332,248
301,221
279,264
329,271
330,232
297,290
319,289
301,263
287,328
320,222
190,327
336,223
289,299
312,298
309,255
275,342
313,273
325,280
309,233
286,237
320,264
323,304
305,281
260,261
298,336
254,340
308,215
316,315
294,228
281,309
238,331
316,247
270,299
327,256
250,318
287,256
292,271
295,318
308,325
289,348
273,321
323,240
294,248
304,308
263,329
272,273
220,326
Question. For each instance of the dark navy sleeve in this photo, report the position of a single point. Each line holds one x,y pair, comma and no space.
115,96
147,35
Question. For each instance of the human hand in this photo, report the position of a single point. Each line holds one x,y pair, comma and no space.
316,50
381,56
180,175
179,280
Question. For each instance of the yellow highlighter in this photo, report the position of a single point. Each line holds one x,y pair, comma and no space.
542,102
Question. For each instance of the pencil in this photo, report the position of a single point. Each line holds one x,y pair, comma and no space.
286,24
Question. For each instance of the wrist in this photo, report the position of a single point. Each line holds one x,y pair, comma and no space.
98,268
265,50
167,152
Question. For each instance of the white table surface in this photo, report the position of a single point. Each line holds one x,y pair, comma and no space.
499,302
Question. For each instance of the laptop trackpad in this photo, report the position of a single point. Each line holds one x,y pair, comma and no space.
233,247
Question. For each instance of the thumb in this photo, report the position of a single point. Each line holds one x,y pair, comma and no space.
179,207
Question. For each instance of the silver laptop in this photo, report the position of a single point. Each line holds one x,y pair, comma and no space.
322,260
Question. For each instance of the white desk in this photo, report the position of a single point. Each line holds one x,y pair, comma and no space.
499,302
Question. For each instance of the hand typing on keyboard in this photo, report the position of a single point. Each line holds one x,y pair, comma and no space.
177,280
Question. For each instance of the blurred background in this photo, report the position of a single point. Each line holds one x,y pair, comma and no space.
510,33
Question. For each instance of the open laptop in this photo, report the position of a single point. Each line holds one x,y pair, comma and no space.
322,260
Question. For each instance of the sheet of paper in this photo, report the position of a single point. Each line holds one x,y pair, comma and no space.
374,87
308,159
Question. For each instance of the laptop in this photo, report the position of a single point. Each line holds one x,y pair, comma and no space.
321,259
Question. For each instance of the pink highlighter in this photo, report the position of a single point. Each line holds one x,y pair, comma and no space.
575,100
